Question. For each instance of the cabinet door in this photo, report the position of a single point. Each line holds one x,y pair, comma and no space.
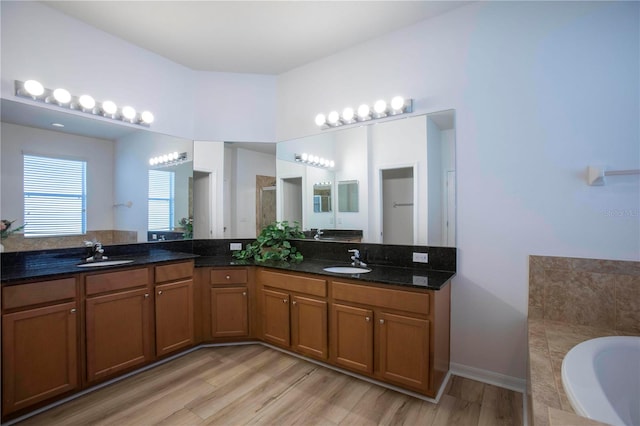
39,355
174,316
404,349
352,337
309,326
229,315
275,317
118,329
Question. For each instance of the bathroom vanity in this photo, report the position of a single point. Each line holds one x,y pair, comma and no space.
99,323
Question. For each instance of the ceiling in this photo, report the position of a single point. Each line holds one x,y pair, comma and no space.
264,37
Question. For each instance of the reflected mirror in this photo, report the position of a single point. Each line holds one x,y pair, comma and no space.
395,180
322,197
348,196
117,175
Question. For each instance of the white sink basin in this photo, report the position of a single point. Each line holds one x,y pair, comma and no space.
104,263
347,270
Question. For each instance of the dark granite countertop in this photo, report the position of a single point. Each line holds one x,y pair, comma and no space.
406,277
51,265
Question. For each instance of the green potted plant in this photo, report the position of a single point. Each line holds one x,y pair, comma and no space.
273,244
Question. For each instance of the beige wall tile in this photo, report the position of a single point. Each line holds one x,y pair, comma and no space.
580,297
628,303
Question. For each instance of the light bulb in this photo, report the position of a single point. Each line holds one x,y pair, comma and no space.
321,161
333,117
397,103
62,96
321,120
175,156
33,87
165,158
304,157
332,163
316,159
363,111
147,117
87,102
380,106
151,161
347,114
129,113
109,107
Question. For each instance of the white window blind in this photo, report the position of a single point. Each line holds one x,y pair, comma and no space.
161,200
54,196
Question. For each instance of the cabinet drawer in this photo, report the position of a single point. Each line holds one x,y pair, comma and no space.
381,297
228,276
301,284
110,281
174,271
40,292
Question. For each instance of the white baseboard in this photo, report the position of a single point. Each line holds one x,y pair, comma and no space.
489,377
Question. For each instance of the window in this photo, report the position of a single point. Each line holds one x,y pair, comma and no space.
161,200
55,196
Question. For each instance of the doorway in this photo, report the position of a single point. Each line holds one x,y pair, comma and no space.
203,188
265,202
397,205
292,200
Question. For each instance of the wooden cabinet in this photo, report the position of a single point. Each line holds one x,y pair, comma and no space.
294,312
118,322
275,317
229,303
387,333
39,343
174,307
174,316
352,337
403,349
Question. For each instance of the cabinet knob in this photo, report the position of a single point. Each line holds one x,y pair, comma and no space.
146,295
367,319
159,292
284,300
294,302
228,277
244,293
73,310
381,321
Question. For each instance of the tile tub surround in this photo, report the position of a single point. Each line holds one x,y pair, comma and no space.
572,300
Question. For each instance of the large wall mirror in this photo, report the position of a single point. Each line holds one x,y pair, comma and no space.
392,181
122,203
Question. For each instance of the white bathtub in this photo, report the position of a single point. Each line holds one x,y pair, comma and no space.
602,379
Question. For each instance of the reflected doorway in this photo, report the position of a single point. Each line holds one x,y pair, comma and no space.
292,200
397,205
265,201
203,188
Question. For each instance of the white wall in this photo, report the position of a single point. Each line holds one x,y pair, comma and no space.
208,157
389,151
351,151
248,165
131,177
40,43
541,90
98,153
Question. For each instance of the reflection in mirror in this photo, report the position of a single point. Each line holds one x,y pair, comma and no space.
117,157
423,146
322,197
348,196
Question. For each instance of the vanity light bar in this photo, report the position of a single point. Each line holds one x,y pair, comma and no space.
34,90
381,109
314,160
170,159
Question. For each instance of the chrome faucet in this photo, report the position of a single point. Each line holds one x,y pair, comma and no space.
95,252
318,234
356,258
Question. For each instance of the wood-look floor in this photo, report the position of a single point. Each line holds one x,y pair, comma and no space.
253,384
